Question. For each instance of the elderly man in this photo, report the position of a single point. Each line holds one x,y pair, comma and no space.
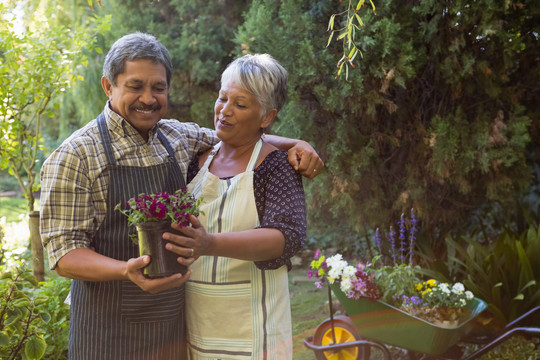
116,312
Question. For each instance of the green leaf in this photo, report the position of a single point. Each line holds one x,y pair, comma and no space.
22,302
4,339
359,20
34,348
45,316
330,38
331,22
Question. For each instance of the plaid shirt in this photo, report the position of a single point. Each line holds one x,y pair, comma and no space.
74,185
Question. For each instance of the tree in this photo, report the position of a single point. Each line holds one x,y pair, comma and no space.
437,116
35,66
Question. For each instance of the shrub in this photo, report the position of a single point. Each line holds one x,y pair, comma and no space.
32,317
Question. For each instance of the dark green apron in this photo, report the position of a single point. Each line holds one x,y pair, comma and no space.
116,319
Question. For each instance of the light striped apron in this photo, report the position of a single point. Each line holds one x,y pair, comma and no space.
116,319
233,309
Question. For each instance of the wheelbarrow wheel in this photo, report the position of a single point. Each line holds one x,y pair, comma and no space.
345,331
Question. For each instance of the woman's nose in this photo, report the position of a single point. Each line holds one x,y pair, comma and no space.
226,109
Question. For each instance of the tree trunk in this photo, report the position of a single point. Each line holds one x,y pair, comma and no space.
38,264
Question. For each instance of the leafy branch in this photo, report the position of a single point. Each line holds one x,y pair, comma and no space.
353,22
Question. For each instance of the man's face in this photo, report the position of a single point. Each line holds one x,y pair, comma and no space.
140,94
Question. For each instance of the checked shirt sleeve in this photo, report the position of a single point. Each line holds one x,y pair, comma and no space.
67,212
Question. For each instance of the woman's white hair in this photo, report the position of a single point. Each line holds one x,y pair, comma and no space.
261,75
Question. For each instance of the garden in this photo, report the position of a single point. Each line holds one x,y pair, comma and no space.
425,114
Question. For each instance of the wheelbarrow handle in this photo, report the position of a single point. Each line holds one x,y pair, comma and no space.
319,349
519,330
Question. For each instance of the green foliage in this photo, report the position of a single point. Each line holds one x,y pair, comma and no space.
352,23
33,317
438,115
56,330
396,281
20,317
35,65
504,272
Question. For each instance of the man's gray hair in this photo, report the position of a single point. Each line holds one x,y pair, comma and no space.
135,46
261,75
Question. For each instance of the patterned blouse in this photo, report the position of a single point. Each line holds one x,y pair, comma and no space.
280,203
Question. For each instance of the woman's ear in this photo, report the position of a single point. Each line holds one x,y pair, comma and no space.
268,118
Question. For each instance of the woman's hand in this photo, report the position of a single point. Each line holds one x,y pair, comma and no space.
194,242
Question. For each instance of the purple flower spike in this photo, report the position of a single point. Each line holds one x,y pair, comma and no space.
391,239
377,240
412,237
402,239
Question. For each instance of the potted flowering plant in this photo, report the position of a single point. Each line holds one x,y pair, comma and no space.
152,215
388,300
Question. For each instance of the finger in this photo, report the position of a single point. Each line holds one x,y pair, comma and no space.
183,251
138,263
157,285
186,262
194,221
294,158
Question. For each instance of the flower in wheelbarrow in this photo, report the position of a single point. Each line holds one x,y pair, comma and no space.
352,280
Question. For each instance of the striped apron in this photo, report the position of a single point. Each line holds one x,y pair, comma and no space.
233,309
116,319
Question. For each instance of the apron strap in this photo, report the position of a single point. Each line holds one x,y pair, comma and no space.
106,140
255,156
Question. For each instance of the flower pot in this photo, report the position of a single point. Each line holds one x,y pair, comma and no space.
163,262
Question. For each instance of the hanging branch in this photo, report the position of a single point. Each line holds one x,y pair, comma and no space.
346,35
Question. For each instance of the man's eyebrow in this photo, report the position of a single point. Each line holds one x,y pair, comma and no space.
138,82
134,82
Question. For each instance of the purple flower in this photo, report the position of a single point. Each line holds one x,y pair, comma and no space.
377,240
402,239
412,236
391,239
317,254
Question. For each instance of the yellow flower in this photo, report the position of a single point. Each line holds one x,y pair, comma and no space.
419,287
431,282
425,292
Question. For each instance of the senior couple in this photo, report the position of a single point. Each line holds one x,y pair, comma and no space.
233,303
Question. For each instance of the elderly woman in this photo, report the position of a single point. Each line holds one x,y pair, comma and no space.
237,299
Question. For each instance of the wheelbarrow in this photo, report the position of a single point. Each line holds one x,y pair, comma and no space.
374,324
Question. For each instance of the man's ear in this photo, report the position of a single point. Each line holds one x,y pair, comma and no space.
107,86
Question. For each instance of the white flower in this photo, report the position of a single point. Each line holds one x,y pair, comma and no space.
469,295
346,285
349,271
333,261
334,272
444,288
458,288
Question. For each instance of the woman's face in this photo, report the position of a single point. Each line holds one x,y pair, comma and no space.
238,115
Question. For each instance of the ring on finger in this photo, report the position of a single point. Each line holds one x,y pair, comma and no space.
192,252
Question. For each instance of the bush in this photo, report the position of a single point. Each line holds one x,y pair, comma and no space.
504,271
32,317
